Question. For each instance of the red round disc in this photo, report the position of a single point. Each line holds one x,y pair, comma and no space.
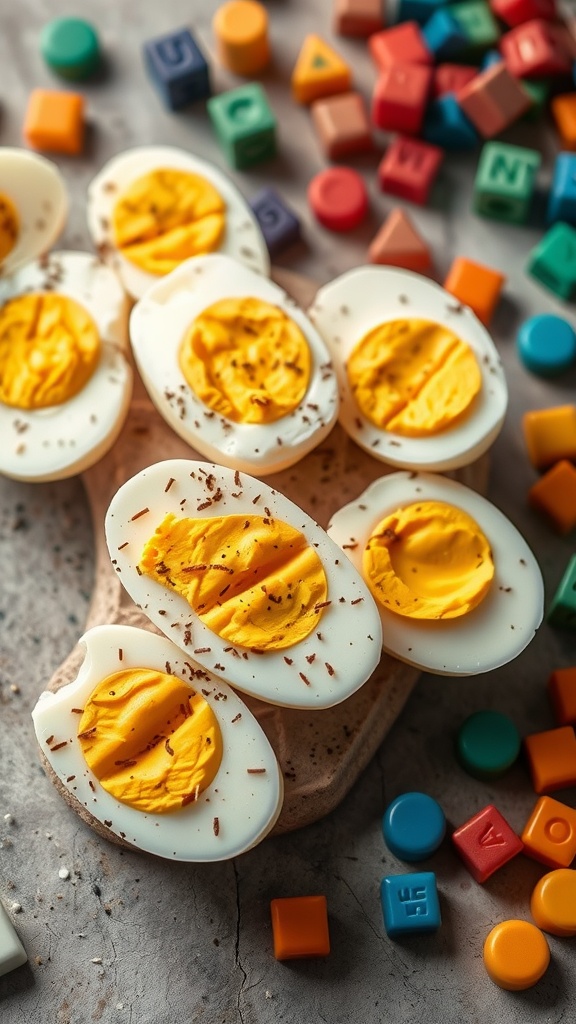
338,198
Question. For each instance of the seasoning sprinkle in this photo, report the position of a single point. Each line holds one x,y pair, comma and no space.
137,515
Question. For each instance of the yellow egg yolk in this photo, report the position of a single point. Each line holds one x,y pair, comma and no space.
166,216
413,377
49,349
9,226
428,560
150,740
247,360
253,580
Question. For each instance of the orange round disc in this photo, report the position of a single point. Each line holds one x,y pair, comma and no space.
516,954
553,902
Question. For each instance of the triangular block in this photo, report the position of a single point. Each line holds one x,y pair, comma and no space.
398,244
319,71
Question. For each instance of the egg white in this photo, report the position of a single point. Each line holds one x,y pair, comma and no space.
37,190
61,440
494,632
348,307
350,645
159,322
243,239
245,804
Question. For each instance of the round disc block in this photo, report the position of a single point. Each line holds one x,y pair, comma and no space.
516,955
547,344
70,47
487,744
414,826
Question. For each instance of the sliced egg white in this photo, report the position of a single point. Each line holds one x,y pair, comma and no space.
494,632
38,194
349,307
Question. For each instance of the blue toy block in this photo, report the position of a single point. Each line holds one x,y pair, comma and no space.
279,224
410,904
178,68
546,344
490,58
418,10
447,126
413,826
562,198
444,36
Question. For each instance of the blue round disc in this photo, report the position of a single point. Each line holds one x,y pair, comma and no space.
547,344
414,826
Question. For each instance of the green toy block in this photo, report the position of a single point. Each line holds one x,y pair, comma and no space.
505,182
477,23
553,260
244,124
562,611
538,91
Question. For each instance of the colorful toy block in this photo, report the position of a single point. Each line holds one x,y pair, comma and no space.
517,12
54,121
300,927
358,17
443,34
554,494
410,904
342,125
562,195
516,955
549,835
546,344
562,693
413,826
487,744
477,23
550,435
12,952
505,182
486,842
563,109
338,198
70,46
534,50
493,100
241,33
319,71
553,260
244,124
476,286
538,92
398,244
447,126
562,610
551,756
400,96
178,68
417,10
409,168
553,902
402,44
449,78
278,223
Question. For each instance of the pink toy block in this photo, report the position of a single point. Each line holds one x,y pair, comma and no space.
400,96
402,44
486,842
493,100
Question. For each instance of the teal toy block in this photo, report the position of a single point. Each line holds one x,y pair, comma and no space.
539,93
244,124
477,23
505,182
553,260
562,610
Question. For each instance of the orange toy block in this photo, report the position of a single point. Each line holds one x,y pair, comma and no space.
562,693
550,435
319,71
476,286
241,31
55,121
398,244
549,835
552,758
564,113
300,927
554,494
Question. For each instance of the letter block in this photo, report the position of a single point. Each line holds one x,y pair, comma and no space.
486,842
535,50
410,904
562,692
562,198
505,182
400,96
244,124
549,835
178,68
402,43
409,168
553,260
279,224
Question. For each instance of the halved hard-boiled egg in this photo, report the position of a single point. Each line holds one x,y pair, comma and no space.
159,751
234,366
153,207
33,207
244,581
458,589
421,383
65,378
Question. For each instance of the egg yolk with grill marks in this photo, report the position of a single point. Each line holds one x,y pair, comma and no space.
150,740
413,377
246,360
253,580
428,560
9,226
166,216
49,349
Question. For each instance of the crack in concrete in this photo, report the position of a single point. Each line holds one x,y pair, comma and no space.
237,962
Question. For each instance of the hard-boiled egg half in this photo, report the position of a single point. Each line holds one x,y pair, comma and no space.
33,207
153,207
65,379
162,753
421,383
234,366
245,582
458,589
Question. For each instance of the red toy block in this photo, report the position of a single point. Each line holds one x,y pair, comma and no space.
358,17
562,693
400,96
402,44
398,244
535,50
552,758
451,78
549,835
493,100
517,12
486,842
408,169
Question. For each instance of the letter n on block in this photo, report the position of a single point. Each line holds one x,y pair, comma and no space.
505,182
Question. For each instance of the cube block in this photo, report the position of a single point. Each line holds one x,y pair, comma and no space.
562,610
342,125
410,904
447,126
549,835
554,494
550,435
400,96
449,78
553,260
358,17
551,758
278,223
516,12
476,286
443,34
493,100
562,692
477,23
300,927
486,842
563,109
505,182
244,124
535,50
402,44
54,121
409,168
178,68
562,196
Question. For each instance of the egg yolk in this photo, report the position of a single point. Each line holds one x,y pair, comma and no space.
253,580
166,216
9,226
150,740
49,349
428,560
413,377
247,360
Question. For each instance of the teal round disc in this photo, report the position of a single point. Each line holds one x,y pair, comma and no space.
70,47
487,744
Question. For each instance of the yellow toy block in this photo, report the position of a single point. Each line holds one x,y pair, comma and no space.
550,435
319,71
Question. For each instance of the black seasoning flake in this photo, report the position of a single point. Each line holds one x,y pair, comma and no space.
237,718
124,545
256,499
